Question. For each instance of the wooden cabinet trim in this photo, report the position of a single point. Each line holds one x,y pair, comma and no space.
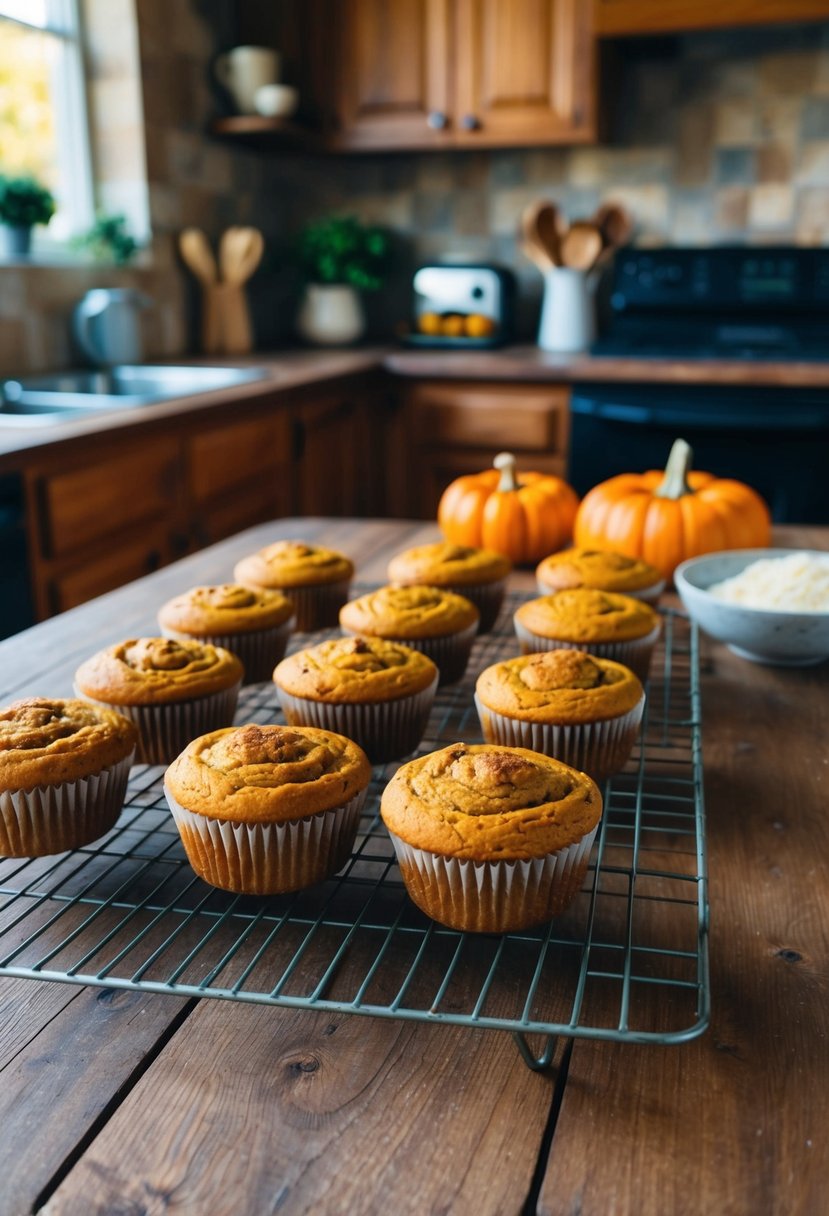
615,18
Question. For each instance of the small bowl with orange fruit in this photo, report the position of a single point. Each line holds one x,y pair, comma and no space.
455,329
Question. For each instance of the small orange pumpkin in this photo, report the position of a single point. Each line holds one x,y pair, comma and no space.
666,517
525,516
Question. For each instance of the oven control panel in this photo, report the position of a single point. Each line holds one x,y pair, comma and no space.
764,279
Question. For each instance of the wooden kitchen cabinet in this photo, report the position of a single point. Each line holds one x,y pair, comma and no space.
449,428
616,18
108,514
452,73
239,474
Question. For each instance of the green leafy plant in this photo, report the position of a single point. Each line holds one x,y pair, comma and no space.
340,249
24,202
108,240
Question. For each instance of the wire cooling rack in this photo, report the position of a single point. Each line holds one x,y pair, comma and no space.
627,961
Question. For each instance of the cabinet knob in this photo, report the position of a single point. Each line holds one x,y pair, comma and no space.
437,120
470,122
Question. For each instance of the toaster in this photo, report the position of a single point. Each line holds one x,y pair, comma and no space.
462,305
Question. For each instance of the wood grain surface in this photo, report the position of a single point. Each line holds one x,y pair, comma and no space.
133,1103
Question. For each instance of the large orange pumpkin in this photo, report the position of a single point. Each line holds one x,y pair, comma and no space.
666,517
525,516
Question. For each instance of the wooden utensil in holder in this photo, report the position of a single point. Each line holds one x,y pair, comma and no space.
225,319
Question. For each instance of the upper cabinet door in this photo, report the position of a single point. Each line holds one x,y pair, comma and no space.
394,73
525,72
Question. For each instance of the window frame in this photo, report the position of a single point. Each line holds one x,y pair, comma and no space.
62,21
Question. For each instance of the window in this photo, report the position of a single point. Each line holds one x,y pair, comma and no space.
43,120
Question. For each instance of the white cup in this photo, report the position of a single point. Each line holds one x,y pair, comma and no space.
244,70
568,315
276,100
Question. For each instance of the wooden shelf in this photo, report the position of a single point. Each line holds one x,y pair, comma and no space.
261,132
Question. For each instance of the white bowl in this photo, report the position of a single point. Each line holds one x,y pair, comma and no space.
789,639
276,100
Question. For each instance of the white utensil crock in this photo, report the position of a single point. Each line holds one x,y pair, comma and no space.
568,318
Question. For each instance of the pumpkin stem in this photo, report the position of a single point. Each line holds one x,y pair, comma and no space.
505,463
675,482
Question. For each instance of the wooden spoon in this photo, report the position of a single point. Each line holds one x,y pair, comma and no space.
197,255
614,223
581,245
541,227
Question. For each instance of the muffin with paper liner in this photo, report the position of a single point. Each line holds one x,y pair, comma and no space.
64,766
603,623
172,691
253,623
439,623
491,839
316,580
378,693
602,570
583,710
478,574
264,810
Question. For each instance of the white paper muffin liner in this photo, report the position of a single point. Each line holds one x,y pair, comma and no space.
318,606
55,818
385,730
635,654
165,730
259,649
487,598
450,653
268,858
648,595
493,896
595,748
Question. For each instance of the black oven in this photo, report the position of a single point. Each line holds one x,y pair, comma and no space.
735,303
775,440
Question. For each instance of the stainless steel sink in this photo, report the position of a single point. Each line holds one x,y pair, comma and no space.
64,396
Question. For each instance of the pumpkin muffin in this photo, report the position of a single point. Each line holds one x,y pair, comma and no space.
602,570
608,625
581,709
263,810
439,623
64,767
251,622
171,690
478,574
316,580
491,839
378,693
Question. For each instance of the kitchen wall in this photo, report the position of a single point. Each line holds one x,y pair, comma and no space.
711,138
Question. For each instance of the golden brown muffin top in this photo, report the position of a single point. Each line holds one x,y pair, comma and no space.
46,742
559,686
267,774
293,563
489,803
601,569
225,608
444,565
584,615
348,670
157,671
408,613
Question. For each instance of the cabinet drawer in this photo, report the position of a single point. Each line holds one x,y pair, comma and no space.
94,576
475,415
118,490
229,456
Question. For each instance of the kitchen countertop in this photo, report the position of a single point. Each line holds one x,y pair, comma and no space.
296,369
136,1101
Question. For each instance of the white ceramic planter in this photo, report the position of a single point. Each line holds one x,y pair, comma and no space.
331,314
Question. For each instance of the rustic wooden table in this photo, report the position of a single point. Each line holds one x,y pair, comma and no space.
135,1102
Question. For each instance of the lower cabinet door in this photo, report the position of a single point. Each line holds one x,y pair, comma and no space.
121,563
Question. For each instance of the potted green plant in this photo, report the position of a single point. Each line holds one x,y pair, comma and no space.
108,240
340,258
24,202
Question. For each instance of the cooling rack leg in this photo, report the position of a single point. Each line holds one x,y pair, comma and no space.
536,1062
